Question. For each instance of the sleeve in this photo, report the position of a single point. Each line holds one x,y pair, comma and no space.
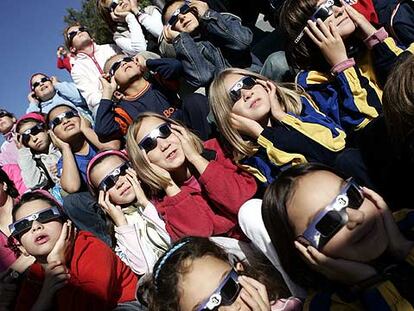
167,68
182,211
226,30
32,175
385,55
129,244
403,24
235,187
152,22
60,64
98,284
105,121
197,69
136,43
89,87
70,92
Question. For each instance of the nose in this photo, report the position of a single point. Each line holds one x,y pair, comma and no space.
355,218
246,94
36,226
33,137
163,143
338,10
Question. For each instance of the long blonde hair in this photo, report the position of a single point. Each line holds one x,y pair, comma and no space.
221,104
144,170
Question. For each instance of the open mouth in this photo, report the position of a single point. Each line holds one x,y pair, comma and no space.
172,154
42,239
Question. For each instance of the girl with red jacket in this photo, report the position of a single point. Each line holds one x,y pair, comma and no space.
196,187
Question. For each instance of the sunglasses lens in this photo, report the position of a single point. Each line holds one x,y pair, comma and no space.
46,216
148,144
248,83
229,292
165,131
22,226
329,223
322,13
355,198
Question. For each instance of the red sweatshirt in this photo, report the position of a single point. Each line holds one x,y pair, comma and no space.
366,8
208,206
99,280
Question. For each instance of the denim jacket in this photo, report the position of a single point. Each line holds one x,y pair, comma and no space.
221,42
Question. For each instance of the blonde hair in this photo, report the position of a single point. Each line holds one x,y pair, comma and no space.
143,168
221,104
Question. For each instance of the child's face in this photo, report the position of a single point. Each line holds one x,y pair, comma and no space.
38,142
68,128
340,19
254,103
186,22
6,124
41,238
202,279
43,90
122,192
80,38
168,153
127,72
362,239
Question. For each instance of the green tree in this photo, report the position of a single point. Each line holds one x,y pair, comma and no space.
89,17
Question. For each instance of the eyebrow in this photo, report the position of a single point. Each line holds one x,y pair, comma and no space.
221,280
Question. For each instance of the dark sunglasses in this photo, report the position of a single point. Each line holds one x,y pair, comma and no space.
73,33
184,9
4,113
149,142
23,225
37,83
224,295
110,180
245,83
33,131
323,12
333,217
115,66
113,5
59,118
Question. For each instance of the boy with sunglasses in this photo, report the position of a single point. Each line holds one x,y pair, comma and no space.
73,270
147,85
206,41
88,62
47,92
37,156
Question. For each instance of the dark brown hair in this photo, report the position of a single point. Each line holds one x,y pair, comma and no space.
398,100
11,188
280,230
163,294
293,18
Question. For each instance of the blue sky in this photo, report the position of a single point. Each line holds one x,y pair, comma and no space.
30,32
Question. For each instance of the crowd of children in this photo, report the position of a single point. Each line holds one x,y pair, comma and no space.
190,167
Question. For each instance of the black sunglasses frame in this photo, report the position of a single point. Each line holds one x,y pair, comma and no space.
33,131
59,118
112,178
245,83
149,142
38,82
115,66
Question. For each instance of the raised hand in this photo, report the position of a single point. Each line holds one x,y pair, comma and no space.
398,245
60,144
254,294
344,271
64,244
277,111
200,6
136,185
109,86
245,125
364,26
114,211
328,40
189,149
169,33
